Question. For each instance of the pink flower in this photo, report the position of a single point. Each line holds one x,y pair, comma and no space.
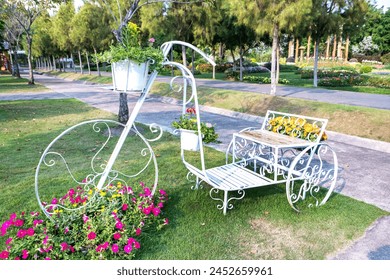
162,192
24,254
151,40
138,232
117,236
85,218
91,235
156,211
54,201
131,240
66,230
4,255
44,241
19,223
115,248
105,245
124,207
71,248
137,245
12,217
166,221
160,205
37,222
147,192
119,225
147,211
128,248
21,233
30,232
8,241
47,258
64,246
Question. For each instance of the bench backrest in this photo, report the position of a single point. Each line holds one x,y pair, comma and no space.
303,127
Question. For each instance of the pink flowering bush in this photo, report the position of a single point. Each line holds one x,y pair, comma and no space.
112,226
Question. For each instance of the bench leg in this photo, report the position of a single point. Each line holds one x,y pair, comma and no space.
226,201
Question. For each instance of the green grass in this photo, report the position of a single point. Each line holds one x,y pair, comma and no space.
342,118
9,84
261,226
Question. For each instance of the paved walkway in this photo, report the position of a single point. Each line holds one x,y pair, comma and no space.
364,170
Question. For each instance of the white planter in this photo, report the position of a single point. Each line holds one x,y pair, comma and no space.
189,140
128,75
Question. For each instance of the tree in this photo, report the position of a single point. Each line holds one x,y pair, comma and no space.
271,16
62,26
25,13
330,17
122,12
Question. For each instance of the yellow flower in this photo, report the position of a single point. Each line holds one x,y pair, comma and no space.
102,193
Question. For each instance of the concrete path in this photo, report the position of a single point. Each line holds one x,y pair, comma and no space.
364,170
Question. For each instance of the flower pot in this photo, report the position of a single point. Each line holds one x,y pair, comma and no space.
189,140
128,75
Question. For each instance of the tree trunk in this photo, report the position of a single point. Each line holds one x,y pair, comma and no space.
296,51
54,63
339,54
327,48
97,62
73,64
347,48
241,55
63,64
80,62
334,47
123,114
12,61
234,61
89,66
315,82
273,58
29,59
308,48
277,62
184,55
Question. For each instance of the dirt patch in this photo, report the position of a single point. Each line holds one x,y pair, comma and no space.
272,242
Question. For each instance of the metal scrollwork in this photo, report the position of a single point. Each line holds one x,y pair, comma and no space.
308,174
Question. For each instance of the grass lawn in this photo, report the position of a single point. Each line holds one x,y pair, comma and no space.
261,226
9,84
342,118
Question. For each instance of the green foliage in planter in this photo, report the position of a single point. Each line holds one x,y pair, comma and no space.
188,121
132,49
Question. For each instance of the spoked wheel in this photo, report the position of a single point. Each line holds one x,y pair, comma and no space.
312,176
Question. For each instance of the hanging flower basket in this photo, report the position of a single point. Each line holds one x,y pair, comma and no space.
128,75
189,140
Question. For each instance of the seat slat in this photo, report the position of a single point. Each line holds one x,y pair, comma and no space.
234,177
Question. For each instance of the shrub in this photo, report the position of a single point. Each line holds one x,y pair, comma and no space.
110,227
263,80
204,68
375,81
365,69
308,73
385,58
340,81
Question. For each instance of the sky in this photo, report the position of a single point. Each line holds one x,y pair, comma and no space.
380,3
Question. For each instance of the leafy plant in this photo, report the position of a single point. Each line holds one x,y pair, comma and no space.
131,48
110,227
188,121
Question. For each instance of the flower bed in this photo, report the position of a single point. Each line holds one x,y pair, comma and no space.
340,81
110,227
328,73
